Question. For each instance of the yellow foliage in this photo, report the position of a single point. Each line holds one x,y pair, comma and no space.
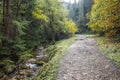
105,17
110,33
71,26
39,14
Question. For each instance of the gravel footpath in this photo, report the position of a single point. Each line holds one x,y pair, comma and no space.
83,61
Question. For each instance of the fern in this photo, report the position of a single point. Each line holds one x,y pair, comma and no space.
26,55
8,65
20,25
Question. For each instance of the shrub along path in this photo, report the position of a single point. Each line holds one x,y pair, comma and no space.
83,61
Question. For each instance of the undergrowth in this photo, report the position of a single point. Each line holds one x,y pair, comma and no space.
109,49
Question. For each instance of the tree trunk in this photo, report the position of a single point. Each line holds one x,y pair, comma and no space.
3,25
7,19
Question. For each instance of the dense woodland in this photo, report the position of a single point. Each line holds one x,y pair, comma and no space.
26,24
78,12
98,16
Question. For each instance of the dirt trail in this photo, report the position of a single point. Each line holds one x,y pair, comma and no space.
83,61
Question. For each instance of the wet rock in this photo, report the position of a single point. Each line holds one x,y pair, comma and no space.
32,60
40,47
17,77
30,73
21,72
42,58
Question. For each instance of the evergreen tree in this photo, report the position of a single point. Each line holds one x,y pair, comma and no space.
78,12
25,24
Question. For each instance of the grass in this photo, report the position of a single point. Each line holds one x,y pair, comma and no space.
110,49
49,70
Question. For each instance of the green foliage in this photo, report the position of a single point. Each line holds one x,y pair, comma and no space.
51,26
78,12
52,51
25,56
21,25
25,24
19,45
7,65
109,49
115,58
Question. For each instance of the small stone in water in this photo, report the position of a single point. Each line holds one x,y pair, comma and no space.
31,65
40,47
40,56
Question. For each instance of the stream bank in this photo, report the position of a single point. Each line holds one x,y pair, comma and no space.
29,69
46,69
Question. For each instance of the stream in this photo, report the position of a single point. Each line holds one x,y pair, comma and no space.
29,69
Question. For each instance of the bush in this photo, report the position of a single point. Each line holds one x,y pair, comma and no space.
7,65
25,56
71,26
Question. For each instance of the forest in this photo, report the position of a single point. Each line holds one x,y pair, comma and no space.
26,25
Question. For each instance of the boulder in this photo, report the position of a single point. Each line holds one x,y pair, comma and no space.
42,58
